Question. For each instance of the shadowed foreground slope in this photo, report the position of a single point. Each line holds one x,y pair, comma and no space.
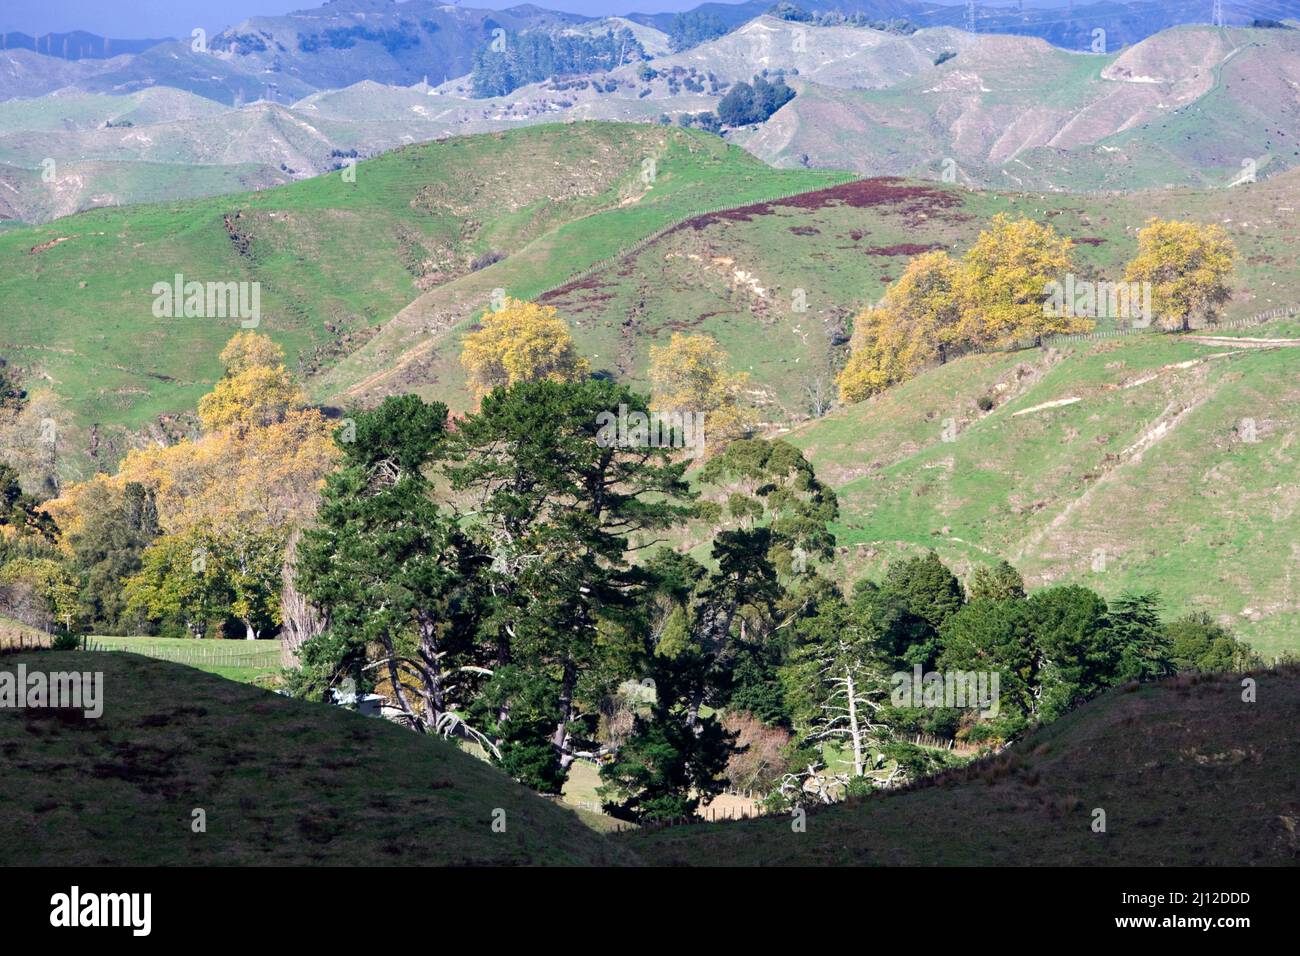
281,781
1186,772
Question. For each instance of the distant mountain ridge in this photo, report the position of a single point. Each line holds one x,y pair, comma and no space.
1195,106
283,58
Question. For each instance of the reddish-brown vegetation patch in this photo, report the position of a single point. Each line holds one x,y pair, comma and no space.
910,199
591,283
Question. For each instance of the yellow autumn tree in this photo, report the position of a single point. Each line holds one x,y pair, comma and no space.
1189,266
257,390
254,474
261,478
521,342
914,325
1006,276
692,374
262,455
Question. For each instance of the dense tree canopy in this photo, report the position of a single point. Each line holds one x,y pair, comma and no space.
993,296
747,103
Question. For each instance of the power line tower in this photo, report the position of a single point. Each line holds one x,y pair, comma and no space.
1216,16
970,15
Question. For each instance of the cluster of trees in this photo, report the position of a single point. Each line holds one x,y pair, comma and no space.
827,678
183,538
527,342
707,121
747,103
998,294
484,578
393,39
503,581
785,10
196,538
536,55
694,27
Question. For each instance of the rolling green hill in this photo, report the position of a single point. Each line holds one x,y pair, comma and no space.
337,259
120,790
736,272
1187,774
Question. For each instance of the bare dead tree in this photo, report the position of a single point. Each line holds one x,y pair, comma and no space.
853,696
819,395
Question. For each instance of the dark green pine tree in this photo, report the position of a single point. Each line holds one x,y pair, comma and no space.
929,594
1075,660
555,503
394,570
1138,639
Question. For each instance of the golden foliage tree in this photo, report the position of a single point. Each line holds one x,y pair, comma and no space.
521,342
913,326
256,391
1189,266
692,374
254,474
993,295
1005,278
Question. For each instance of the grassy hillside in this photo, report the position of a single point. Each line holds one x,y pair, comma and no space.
282,782
16,634
1145,475
94,183
253,662
336,259
735,274
1187,774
